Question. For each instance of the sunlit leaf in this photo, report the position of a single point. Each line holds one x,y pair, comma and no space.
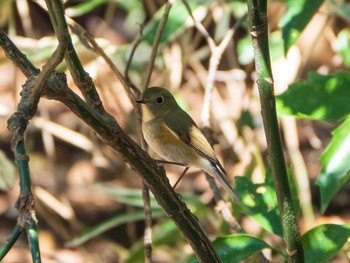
322,243
342,46
295,19
260,202
235,248
335,164
320,97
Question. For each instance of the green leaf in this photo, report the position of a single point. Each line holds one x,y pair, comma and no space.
322,243
295,19
320,97
165,233
111,223
126,196
335,164
235,248
260,202
176,23
133,197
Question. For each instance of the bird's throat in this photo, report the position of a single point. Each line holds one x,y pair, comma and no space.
147,114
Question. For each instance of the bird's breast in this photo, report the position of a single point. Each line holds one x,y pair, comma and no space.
166,143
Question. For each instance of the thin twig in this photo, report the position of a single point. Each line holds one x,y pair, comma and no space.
80,76
147,77
147,238
137,42
86,35
156,42
215,57
5,248
216,54
200,27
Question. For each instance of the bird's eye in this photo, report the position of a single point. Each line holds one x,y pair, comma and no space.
160,100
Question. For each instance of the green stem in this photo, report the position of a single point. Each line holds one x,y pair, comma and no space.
32,233
80,76
259,33
16,232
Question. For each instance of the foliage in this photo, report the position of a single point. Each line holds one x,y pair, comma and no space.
330,104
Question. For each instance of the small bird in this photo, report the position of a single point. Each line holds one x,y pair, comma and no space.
175,137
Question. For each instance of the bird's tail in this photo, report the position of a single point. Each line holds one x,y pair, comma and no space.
225,184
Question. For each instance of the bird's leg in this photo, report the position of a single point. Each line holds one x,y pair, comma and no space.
182,175
176,163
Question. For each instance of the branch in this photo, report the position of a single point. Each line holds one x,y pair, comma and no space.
154,176
11,240
259,33
80,76
17,57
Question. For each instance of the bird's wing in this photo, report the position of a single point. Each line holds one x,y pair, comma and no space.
187,130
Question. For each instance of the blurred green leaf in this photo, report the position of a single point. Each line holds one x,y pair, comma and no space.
342,46
320,97
335,164
175,24
165,233
126,196
323,242
239,8
260,202
235,248
84,7
276,45
295,19
245,51
111,223
133,197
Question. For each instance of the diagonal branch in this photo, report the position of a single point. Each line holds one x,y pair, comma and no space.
153,175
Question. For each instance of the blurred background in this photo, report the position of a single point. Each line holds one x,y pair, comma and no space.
88,200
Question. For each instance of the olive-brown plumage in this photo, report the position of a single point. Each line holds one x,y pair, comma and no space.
174,136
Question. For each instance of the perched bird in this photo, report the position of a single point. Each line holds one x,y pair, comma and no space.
175,137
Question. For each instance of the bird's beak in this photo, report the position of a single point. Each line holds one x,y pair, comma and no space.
140,100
